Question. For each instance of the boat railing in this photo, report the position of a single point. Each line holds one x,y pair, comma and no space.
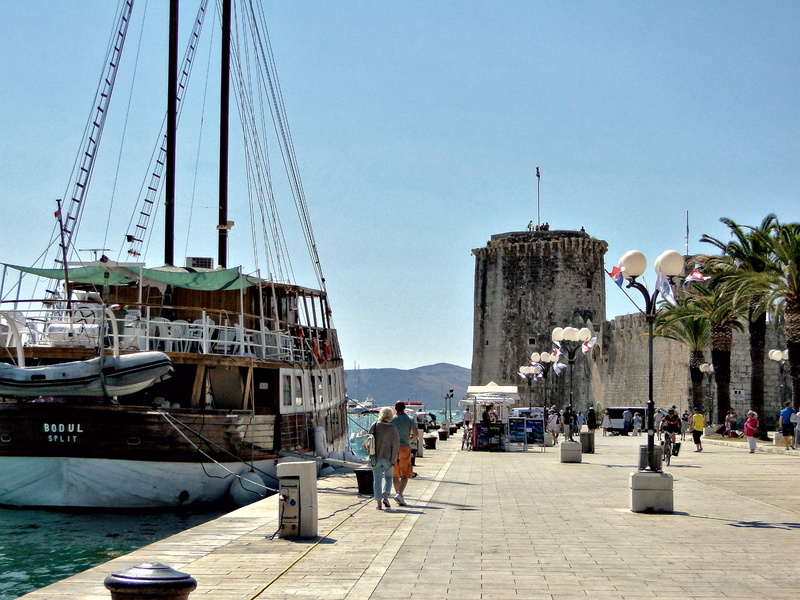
144,328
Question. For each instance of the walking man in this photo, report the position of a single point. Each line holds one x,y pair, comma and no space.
698,422
407,430
787,426
627,420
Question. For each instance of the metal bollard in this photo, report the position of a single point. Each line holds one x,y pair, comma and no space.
150,581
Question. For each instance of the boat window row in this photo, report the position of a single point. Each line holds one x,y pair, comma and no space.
301,391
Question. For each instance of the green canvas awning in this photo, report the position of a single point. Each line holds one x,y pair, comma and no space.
119,274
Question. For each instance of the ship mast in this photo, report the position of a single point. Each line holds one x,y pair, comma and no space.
224,107
172,123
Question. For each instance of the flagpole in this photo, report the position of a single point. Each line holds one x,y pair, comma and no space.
538,206
687,233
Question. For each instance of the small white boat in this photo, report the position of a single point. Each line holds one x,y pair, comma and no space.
106,376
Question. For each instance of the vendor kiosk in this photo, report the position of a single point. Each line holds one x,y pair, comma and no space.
526,429
494,435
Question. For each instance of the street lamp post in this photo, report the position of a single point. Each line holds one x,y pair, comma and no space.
530,373
708,370
571,338
538,368
546,360
780,357
633,264
448,399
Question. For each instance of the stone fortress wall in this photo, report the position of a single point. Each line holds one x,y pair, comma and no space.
527,283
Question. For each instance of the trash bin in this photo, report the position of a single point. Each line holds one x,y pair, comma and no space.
365,482
430,441
659,455
443,434
453,429
587,442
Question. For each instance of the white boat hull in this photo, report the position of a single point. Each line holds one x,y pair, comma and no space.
119,484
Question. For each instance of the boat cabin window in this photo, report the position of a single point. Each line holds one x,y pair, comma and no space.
322,393
286,394
298,390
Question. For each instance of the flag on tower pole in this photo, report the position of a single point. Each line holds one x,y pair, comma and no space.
538,206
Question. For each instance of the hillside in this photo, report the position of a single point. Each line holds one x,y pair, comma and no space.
424,384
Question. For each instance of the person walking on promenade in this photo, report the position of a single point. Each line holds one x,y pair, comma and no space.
580,421
627,419
751,430
698,422
684,425
387,447
407,430
637,424
567,418
788,424
730,422
466,417
606,423
553,423
591,420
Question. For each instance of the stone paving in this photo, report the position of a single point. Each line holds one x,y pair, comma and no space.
508,525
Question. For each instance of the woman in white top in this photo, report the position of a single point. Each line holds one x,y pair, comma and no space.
606,423
553,425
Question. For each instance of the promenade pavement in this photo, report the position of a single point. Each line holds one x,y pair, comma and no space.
503,525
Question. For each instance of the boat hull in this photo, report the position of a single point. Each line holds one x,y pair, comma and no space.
61,455
68,482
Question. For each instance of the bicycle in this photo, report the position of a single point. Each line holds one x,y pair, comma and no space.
466,439
667,444
671,447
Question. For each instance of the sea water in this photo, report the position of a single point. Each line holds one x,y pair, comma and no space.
40,547
359,423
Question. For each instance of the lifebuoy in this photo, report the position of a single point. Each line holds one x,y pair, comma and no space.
315,349
327,349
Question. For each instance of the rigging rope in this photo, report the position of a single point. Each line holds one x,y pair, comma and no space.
93,132
173,420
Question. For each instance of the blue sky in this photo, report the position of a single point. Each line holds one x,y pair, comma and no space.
418,127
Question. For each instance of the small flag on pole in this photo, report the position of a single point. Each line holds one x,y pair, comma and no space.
537,173
616,275
695,275
57,214
662,283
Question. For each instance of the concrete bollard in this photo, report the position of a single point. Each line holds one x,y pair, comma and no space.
150,581
570,452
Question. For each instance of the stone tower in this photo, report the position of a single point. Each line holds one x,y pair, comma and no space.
526,284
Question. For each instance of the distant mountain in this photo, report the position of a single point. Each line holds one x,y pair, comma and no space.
423,384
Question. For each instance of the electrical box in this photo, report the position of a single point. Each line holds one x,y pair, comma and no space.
289,507
298,514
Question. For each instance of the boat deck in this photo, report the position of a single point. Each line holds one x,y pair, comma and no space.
506,525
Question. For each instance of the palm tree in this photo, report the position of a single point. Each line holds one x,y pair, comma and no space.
724,312
779,284
683,324
749,250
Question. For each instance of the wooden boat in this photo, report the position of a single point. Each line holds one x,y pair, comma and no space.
256,371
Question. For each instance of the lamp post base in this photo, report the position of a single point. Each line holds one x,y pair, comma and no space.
651,492
570,452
